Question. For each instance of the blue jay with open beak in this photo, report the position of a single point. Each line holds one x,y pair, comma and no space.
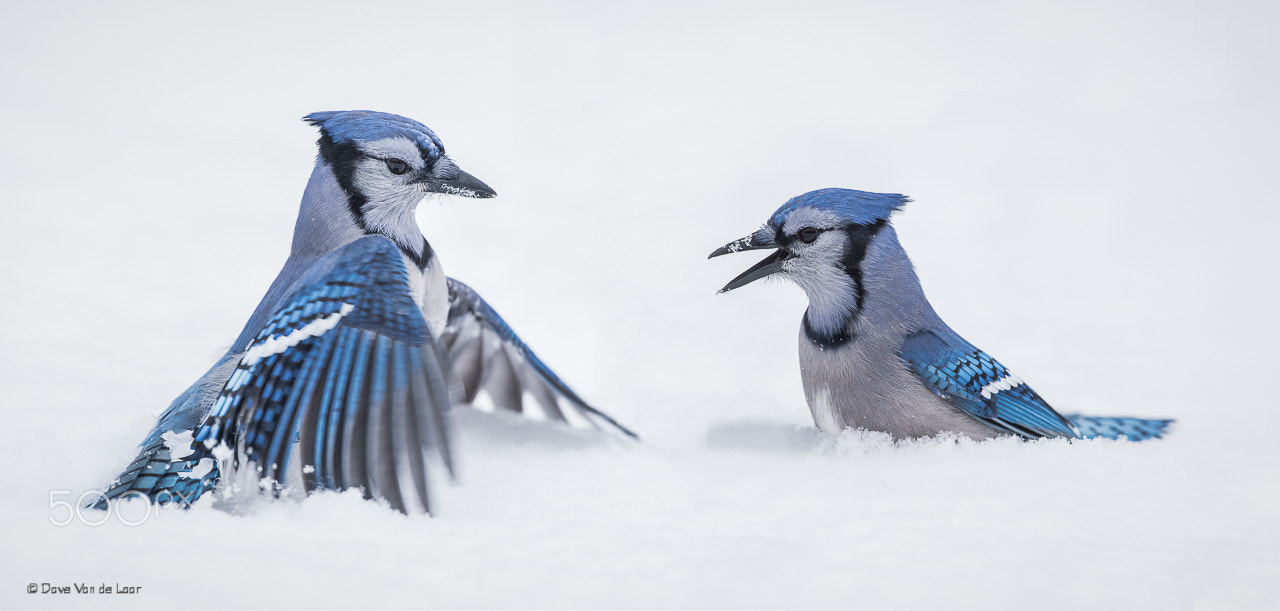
342,376
873,353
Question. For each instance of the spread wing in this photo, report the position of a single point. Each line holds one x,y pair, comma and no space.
348,368
488,356
980,386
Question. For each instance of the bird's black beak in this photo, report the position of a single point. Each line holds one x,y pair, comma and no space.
459,183
771,264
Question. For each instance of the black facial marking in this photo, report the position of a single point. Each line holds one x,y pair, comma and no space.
342,158
855,250
824,341
423,260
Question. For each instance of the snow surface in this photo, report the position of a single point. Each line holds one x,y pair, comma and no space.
1095,205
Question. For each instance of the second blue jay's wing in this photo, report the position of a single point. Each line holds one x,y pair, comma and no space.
348,367
980,386
488,356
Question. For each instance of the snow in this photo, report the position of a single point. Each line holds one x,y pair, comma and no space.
178,444
201,469
1093,204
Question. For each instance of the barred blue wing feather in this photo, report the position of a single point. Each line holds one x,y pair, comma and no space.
489,357
980,386
167,471
348,367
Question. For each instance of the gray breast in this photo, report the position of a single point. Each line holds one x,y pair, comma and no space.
863,384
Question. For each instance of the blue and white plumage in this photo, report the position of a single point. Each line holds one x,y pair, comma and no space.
341,378
873,353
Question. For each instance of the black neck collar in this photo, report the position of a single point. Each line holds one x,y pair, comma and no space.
855,250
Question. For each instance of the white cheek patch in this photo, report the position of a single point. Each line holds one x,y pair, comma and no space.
830,291
276,345
1002,384
832,294
391,206
375,182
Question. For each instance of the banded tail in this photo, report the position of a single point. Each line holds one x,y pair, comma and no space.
1135,429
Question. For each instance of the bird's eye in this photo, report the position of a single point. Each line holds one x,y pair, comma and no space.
397,166
807,235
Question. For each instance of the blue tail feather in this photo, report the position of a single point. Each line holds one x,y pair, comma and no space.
1135,429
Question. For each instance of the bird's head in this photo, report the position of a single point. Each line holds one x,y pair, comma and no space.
380,159
384,165
820,239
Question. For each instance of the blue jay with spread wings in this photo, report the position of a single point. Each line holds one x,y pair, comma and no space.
342,376
873,353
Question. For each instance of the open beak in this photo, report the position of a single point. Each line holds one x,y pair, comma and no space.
459,183
771,264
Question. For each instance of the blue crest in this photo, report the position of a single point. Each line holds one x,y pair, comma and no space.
366,125
861,207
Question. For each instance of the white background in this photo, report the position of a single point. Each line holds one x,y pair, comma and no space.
1095,204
